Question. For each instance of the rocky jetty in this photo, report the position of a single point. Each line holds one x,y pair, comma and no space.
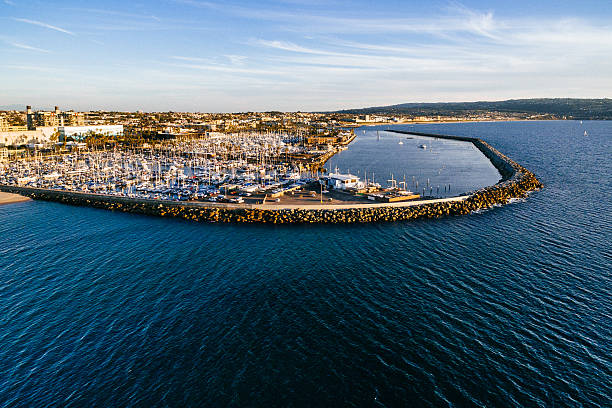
516,182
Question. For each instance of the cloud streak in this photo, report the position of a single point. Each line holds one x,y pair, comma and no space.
45,25
459,19
27,47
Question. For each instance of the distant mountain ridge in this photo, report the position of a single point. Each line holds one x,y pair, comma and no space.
561,107
12,107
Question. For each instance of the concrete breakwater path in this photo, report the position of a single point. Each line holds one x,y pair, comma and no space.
516,182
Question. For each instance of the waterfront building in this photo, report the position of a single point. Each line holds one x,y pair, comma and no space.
6,127
16,128
326,138
4,154
54,118
202,126
82,132
22,137
363,119
343,181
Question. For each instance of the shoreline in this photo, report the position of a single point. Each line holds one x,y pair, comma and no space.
11,198
516,182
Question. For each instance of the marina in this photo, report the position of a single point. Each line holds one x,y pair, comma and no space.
164,182
210,168
249,168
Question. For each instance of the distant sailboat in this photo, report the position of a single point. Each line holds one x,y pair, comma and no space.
585,133
581,122
400,142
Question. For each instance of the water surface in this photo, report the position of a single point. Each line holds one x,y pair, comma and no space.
509,307
429,166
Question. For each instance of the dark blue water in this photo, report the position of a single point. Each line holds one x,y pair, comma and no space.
509,307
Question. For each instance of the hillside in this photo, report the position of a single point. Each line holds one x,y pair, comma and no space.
559,107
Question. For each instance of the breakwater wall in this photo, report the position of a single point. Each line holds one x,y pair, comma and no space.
516,182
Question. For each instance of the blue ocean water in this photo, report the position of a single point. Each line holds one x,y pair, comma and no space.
508,307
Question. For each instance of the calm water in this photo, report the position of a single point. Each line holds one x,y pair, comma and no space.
383,156
508,307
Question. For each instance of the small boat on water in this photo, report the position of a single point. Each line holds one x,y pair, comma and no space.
585,133
400,142
423,146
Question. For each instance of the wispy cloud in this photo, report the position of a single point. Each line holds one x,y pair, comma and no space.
236,59
478,22
27,47
115,13
36,68
288,46
457,19
191,59
230,69
45,25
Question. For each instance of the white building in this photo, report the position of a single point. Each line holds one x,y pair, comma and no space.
20,138
81,132
343,181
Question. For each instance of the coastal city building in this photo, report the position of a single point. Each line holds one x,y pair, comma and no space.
315,129
24,137
4,154
343,181
53,119
82,132
6,127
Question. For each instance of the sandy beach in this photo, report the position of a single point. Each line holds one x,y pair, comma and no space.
8,198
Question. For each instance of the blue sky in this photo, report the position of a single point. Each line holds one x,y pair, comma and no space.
230,56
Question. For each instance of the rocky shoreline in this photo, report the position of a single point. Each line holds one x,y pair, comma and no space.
517,182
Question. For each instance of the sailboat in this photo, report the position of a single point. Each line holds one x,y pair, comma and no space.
585,133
